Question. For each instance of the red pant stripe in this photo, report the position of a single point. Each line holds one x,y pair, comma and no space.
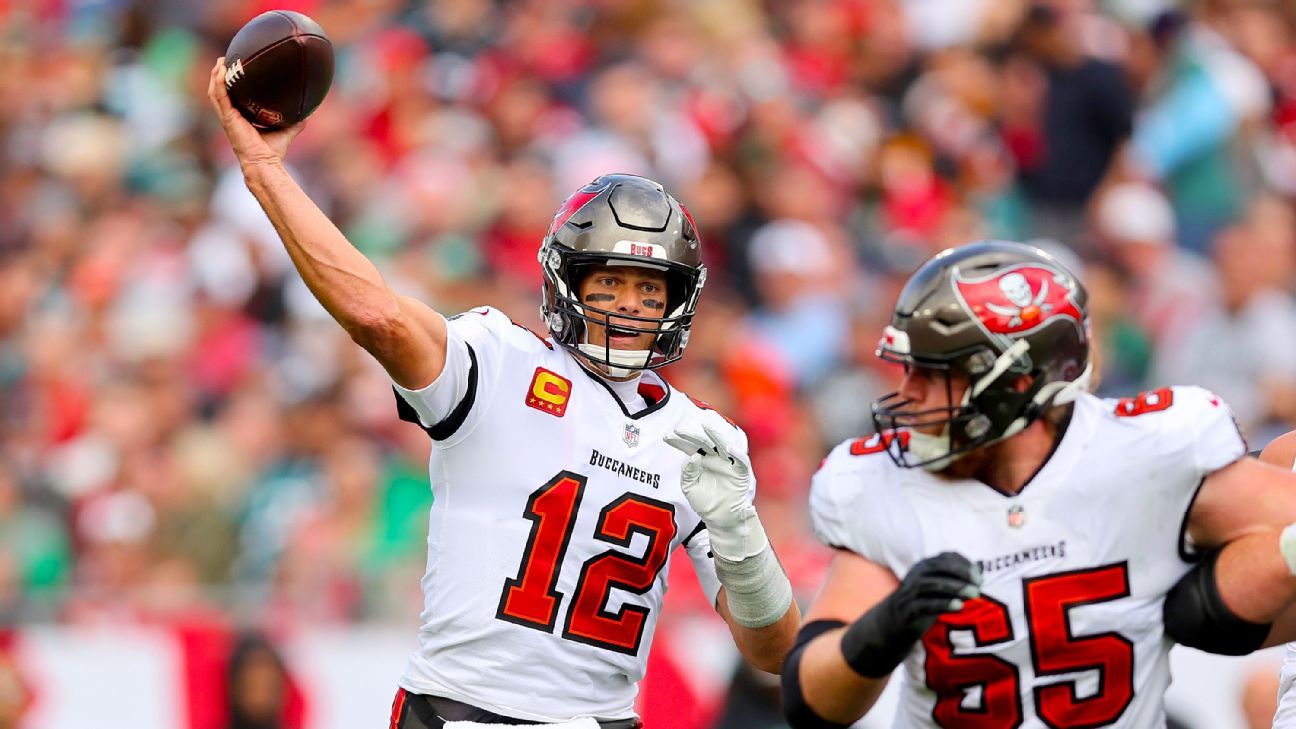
398,707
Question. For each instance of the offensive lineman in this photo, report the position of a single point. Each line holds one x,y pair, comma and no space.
1037,528
1281,452
565,470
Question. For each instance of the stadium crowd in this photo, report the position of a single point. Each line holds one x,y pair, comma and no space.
184,431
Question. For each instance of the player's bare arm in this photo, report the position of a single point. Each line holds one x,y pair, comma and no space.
827,683
1228,603
765,647
1281,451
860,627
406,336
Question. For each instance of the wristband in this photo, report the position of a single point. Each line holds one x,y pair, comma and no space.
756,588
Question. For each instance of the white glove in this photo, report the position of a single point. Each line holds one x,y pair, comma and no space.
716,484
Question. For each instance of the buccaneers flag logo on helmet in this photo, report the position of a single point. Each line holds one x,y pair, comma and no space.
1019,299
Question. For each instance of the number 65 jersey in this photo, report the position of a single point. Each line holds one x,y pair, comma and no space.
554,516
1068,631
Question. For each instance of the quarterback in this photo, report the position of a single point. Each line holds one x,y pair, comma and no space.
566,471
1009,538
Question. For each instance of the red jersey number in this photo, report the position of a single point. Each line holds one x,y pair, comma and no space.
1152,401
531,599
953,675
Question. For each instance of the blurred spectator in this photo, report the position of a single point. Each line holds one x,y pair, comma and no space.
1069,112
803,315
15,697
1200,93
1122,351
35,555
259,690
114,564
1168,287
1241,347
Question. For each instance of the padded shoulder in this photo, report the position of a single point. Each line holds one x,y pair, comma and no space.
700,413
1190,422
857,482
486,327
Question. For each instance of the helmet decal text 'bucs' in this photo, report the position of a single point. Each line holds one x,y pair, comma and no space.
1018,299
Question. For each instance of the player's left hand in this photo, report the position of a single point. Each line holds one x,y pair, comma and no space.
717,484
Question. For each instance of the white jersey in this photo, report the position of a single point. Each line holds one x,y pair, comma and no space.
1076,566
1285,717
555,513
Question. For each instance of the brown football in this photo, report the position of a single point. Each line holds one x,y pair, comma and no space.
278,68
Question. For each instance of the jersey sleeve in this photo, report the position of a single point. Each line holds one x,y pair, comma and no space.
449,408
1216,438
698,546
1197,428
441,407
1191,434
829,492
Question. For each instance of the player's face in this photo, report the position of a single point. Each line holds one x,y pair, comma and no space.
624,290
927,388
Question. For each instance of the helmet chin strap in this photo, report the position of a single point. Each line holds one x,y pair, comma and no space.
932,451
632,360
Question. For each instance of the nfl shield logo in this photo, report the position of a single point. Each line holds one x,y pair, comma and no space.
1016,516
631,435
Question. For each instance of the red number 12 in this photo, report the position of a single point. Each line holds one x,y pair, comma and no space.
531,599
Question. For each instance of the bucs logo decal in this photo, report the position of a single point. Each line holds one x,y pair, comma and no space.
1018,300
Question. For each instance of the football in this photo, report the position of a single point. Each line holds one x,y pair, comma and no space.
278,68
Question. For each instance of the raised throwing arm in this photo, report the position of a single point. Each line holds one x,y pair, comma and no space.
405,335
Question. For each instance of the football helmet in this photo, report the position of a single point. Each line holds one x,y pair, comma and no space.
1012,320
621,220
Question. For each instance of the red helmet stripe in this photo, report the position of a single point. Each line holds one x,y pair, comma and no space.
689,215
569,208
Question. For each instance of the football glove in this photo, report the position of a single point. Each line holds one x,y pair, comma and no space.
876,643
717,484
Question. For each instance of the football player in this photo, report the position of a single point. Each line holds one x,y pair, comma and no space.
1281,453
1009,538
566,471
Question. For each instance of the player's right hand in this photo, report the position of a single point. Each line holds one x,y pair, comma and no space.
935,586
876,643
251,146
